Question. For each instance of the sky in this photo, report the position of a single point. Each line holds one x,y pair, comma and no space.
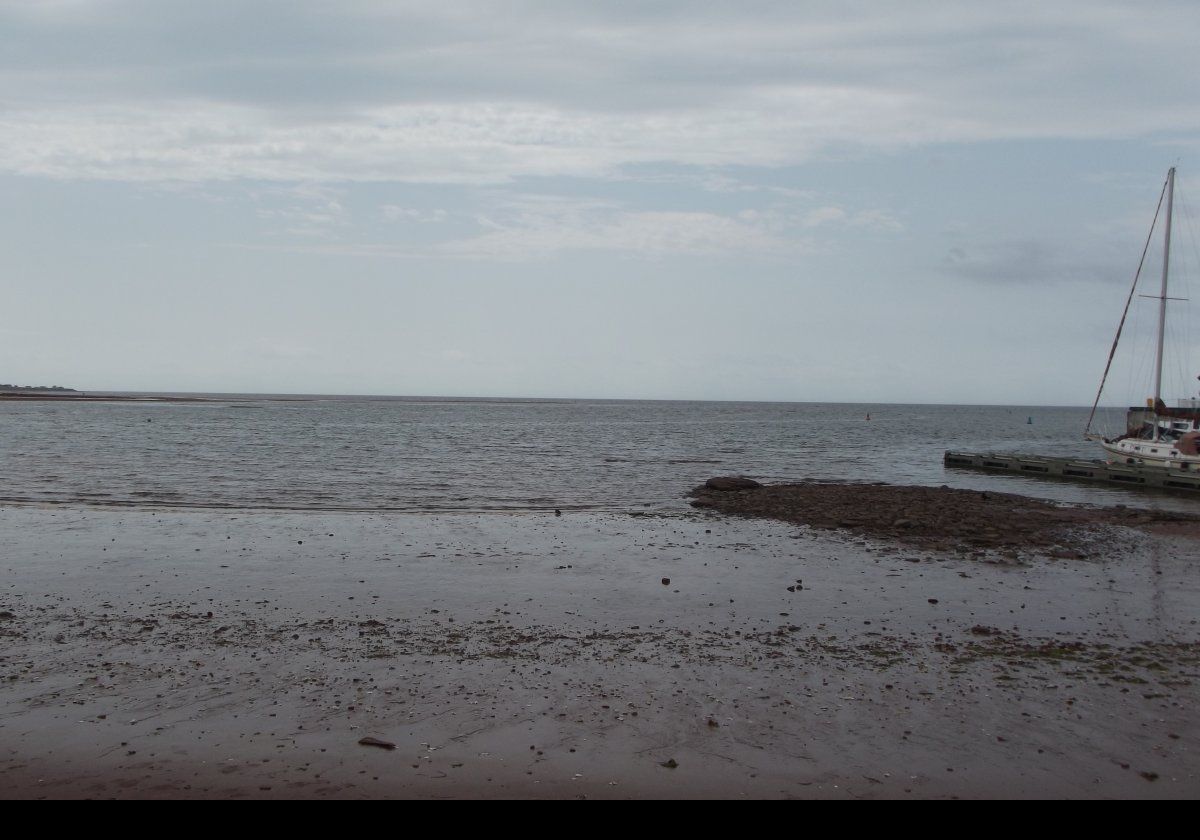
795,201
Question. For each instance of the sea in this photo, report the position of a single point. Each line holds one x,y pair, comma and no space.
337,453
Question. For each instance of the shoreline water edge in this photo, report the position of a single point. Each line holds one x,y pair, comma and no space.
947,644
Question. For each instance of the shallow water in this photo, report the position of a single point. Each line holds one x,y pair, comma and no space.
434,454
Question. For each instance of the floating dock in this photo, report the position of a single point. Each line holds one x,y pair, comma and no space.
1037,466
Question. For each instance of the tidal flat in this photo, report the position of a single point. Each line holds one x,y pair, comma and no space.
691,654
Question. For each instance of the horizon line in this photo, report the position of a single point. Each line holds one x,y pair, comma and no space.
562,398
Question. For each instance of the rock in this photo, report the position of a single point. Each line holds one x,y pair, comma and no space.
375,742
731,483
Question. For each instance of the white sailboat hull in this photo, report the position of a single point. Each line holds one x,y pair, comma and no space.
1149,453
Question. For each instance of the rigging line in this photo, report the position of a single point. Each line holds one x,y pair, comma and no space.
1137,275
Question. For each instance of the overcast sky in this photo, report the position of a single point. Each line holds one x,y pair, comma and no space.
844,201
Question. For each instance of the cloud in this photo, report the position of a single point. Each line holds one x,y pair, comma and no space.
824,215
514,226
1030,261
474,93
396,213
642,233
307,210
525,226
482,143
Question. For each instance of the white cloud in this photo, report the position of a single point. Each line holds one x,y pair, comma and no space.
310,210
421,92
824,215
439,143
880,219
531,227
642,233
396,213
536,226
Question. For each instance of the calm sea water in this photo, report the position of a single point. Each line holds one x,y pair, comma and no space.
430,454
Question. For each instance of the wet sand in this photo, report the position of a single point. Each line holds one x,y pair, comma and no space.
245,655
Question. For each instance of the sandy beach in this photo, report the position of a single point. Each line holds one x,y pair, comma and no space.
198,654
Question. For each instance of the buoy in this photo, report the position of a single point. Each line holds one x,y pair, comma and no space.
1029,422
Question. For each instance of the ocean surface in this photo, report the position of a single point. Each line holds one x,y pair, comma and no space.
424,454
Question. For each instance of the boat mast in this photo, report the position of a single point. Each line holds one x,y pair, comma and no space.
1162,302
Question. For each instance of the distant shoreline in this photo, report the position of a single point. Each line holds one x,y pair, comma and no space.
79,396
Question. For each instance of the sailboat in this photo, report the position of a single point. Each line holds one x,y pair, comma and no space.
1155,435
